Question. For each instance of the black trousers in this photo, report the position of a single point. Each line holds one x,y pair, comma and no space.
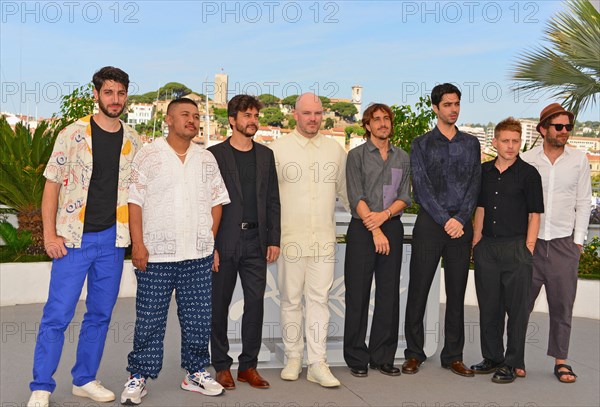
430,242
360,264
248,260
503,273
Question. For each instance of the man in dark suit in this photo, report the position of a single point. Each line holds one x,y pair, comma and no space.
247,239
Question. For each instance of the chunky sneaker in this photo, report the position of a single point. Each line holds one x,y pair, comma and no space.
202,382
319,373
135,389
95,391
292,369
39,398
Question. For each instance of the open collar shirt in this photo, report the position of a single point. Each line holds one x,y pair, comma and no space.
71,165
377,182
176,199
567,193
311,173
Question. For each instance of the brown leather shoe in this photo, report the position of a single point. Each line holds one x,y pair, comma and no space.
411,366
225,379
253,378
459,368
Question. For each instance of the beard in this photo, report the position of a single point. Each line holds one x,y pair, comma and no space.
246,131
555,142
107,112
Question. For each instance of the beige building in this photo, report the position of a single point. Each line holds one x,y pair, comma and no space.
221,83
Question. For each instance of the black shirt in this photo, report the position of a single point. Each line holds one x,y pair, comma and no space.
509,197
101,207
245,162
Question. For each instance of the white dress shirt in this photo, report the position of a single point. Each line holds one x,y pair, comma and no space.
567,193
176,199
311,172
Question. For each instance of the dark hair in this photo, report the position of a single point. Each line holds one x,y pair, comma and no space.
110,73
180,101
368,115
510,124
241,103
438,92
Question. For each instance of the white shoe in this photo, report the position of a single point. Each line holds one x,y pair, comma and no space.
202,382
292,369
135,389
319,373
39,398
95,391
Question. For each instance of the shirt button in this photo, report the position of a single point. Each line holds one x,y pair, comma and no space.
494,207
496,192
494,221
498,178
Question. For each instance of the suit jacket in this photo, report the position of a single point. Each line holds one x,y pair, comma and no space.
267,196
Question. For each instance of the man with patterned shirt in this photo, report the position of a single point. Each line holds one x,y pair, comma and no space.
84,212
175,208
446,170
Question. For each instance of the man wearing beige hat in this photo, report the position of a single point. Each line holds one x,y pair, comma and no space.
567,191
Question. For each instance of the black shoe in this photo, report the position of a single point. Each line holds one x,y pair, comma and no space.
504,374
486,366
359,371
386,368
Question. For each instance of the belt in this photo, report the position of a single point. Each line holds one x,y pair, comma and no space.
248,225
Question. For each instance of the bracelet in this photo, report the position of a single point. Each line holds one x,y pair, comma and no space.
389,214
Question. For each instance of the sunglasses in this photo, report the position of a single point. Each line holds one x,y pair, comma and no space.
559,126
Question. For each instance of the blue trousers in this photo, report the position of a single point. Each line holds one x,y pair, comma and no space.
102,263
192,282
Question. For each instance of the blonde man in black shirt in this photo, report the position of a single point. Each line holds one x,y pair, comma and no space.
507,220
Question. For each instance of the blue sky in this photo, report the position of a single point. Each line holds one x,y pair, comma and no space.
396,50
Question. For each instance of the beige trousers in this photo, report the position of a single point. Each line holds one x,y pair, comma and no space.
313,277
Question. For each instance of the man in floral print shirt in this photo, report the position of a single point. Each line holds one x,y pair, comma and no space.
85,217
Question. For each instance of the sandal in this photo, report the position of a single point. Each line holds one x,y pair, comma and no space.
560,374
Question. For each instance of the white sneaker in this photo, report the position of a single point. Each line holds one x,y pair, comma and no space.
95,391
319,373
292,369
39,398
135,389
202,382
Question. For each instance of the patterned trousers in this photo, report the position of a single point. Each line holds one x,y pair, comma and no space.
191,280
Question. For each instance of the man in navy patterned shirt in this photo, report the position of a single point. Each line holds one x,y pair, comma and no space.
446,170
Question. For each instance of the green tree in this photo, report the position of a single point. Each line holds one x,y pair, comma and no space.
268,100
174,90
356,129
410,122
291,122
289,101
23,158
344,109
569,67
153,127
271,116
329,123
75,105
325,101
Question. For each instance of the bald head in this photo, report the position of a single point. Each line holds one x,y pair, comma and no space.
308,114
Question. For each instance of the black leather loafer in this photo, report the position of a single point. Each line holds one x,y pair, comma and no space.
504,374
387,369
359,372
485,366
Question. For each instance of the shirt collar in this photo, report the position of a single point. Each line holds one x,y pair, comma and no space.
457,137
372,147
492,164
303,141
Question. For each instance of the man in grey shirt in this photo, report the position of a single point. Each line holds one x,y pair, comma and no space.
377,178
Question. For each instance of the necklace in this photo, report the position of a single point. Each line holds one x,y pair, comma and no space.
179,154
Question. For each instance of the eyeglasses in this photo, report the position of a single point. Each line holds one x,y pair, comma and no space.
559,126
